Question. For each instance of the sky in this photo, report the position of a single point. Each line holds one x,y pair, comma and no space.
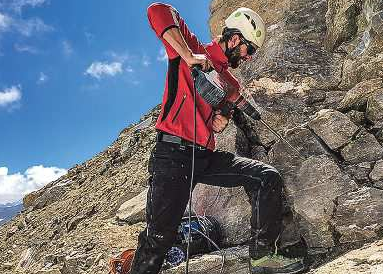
73,74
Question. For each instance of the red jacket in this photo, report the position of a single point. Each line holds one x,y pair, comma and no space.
177,109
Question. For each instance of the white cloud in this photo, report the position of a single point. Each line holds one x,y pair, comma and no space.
26,48
67,48
18,5
98,69
162,56
5,22
14,187
43,78
12,19
10,95
120,57
26,28
31,26
146,60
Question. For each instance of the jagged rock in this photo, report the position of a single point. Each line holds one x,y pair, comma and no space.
130,146
133,210
75,264
359,171
72,223
379,135
11,231
286,160
56,270
363,60
359,215
357,117
333,127
236,261
377,173
341,17
356,98
365,260
27,258
293,49
7,266
319,182
374,111
49,196
314,96
29,199
365,148
378,185
53,259
233,140
333,98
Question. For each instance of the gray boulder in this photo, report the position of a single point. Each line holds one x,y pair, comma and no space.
356,98
359,215
341,22
359,171
357,117
366,260
365,148
333,127
377,173
319,182
374,111
236,261
133,210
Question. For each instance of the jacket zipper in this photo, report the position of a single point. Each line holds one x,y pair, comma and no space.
179,108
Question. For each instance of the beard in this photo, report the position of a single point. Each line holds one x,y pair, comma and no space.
234,57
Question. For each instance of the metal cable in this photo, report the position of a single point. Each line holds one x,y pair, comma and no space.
191,182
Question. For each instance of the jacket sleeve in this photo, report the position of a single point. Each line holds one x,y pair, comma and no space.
162,17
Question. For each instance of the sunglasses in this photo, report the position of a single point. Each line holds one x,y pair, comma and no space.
250,48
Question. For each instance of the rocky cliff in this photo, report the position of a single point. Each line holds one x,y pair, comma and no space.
318,82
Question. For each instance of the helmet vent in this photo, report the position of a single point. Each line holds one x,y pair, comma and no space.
251,21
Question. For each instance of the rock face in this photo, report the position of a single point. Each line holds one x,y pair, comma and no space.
365,148
365,260
319,182
359,215
317,81
377,172
374,111
356,98
333,127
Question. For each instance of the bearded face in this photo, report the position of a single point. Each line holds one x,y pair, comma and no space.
234,57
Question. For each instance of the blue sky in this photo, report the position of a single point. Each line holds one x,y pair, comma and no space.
73,74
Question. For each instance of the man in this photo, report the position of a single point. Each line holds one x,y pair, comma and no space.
170,163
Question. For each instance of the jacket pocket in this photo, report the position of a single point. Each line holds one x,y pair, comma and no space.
179,108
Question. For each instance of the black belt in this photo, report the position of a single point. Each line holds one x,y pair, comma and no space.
165,137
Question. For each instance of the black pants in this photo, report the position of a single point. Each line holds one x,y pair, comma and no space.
170,169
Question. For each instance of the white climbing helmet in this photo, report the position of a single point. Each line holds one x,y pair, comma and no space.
249,23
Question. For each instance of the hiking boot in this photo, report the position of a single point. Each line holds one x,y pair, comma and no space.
273,263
